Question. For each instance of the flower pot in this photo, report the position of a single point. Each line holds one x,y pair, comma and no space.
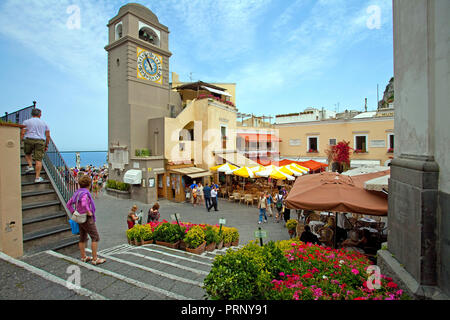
235,243
182,245
219,245
168,244
199,250
211,246
228,244
130,241
146,242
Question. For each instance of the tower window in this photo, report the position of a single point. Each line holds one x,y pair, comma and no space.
149,35
119,31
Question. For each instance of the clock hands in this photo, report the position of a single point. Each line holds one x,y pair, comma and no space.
149,64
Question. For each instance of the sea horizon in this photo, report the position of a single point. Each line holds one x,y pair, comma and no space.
92,158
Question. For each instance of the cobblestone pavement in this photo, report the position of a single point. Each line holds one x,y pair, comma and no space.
148,273
112,212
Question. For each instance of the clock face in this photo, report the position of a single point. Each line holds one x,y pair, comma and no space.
149,66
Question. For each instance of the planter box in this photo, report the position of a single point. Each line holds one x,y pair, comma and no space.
235,243
228,244
199,250
168,244
146,242
219,245
118,194
182,245
134,242
211,246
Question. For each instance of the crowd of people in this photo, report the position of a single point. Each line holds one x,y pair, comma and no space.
98,176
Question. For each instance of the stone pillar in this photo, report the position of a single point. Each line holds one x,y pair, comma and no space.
418,241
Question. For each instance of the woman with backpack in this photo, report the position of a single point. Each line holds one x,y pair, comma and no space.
279,206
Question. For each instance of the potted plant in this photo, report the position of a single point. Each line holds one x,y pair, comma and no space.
291,225
212,238
168,234
227,236
130,235
195,240
147,235
137,234
219,244
234,237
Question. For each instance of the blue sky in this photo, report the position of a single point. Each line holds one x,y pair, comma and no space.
284,56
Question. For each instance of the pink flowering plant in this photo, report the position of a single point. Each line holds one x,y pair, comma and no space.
320,273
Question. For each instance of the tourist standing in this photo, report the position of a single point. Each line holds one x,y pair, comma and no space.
132,217
35,137
287,211
153,213
84,204
269,204
262,206
200,193
207,195
213,199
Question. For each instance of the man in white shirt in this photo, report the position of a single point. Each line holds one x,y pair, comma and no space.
213,199
36,137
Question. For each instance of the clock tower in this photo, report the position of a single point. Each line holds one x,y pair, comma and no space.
138,82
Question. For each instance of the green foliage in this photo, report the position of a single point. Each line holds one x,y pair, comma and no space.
291,224
146,232
111,184
142,152
131,233
245,274
234,234
168,232
227,234
212,235
194,237
117,185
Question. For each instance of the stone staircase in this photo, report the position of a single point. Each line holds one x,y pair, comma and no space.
44,219
149,272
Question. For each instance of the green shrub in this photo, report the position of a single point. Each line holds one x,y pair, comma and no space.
111,184
147,234
211,235
227,235
168,232
234,234
131,233
194,237
291,224
245,274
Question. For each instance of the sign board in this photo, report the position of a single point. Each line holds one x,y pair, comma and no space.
135,165
260,234
377,144
151,182
222,221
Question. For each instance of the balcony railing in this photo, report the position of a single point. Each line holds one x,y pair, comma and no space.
57,168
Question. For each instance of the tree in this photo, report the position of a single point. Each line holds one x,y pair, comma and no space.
339,155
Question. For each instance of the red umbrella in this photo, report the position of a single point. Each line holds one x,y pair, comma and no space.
331,191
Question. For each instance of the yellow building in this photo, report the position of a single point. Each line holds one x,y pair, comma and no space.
371,135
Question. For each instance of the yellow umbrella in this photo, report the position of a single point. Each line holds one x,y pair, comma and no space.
301,168
245,172
257,169
226,168
286,170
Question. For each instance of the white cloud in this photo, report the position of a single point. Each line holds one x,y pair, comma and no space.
44,28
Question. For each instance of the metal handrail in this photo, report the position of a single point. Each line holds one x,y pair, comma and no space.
64,181
59,172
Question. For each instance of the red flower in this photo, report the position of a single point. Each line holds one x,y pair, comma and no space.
360,298
392,285
307,275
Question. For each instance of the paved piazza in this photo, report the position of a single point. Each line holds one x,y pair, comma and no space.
112,212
